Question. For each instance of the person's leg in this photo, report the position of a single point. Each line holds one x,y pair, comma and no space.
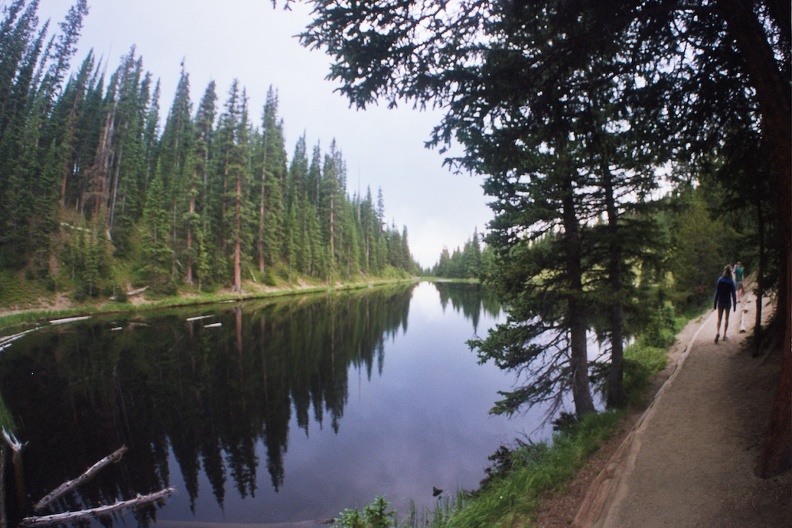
726,322
717,329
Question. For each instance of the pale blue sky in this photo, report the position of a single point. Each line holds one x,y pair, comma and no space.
246,39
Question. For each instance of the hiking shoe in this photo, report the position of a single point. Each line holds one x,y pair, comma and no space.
725,338
717,336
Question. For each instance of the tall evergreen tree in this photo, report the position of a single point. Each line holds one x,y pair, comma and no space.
330,204
175,165
204,128
65,48
271,185
156,255
233,144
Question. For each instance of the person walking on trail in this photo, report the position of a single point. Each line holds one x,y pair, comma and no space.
738,279
725,297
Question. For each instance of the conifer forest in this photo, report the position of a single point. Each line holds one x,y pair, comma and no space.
102,189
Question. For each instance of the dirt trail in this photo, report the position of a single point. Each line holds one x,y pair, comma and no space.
689,460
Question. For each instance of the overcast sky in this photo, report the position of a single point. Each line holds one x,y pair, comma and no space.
248,40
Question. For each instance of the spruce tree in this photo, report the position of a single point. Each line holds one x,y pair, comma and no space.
234,212
156,255
271,185
175,165
193,219
127,168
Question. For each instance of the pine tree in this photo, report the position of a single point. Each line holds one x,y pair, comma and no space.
296,204
331,202
17,48
156,255
204,123
65,48
314,180
20,123
233,150
271,185
127,166
175,165
73,103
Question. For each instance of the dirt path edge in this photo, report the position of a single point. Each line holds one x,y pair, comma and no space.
605,490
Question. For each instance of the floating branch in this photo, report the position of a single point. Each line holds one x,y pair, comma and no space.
69,320
7,340
71,484
46,520
199,317
14,444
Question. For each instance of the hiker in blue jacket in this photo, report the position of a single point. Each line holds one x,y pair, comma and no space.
725,298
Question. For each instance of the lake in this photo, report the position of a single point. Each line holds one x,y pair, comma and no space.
264,412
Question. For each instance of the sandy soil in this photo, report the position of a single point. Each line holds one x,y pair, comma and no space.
688,460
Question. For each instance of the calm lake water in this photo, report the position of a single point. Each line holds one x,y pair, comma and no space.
264,412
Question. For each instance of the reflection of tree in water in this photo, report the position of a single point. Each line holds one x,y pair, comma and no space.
208,394
469,299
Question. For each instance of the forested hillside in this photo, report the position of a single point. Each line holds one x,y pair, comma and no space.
101,189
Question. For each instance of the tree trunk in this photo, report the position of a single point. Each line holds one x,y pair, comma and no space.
238,235
773,96
262,207
759,278
188,274
262,216
93,513
71,485
576,314
616,396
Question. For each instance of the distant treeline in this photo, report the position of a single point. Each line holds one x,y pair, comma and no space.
91,183
471,261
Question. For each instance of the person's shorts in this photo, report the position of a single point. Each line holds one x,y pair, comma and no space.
739,285
724,306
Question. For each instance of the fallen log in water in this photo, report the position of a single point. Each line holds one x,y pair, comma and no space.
69,320
71,484
198,318
56,518
7,340
14,444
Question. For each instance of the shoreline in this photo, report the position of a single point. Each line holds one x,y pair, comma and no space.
61,306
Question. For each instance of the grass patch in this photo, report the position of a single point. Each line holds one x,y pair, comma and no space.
536,469
17,290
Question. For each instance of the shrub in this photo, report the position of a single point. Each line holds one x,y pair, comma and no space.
375,515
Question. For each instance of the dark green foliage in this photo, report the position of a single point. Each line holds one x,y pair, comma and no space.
87,262
375,515
207,201
469,262
156,265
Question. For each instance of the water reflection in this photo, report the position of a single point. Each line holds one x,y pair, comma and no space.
203,404
472,299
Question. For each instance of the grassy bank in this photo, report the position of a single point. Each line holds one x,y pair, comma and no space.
522,476
16,309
